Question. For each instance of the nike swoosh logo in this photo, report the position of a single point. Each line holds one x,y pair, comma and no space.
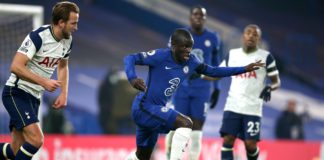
166,67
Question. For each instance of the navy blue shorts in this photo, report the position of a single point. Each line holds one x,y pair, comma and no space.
151,120
192,102
239,125
21,106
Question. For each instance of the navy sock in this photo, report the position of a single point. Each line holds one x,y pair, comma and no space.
8,153
26,152
227,152
253,155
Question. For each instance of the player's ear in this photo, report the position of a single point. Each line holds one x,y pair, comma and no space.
61,23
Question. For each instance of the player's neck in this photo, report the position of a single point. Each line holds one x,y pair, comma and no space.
56,33
197,31
250,49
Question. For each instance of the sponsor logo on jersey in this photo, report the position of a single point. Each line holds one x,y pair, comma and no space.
49,62
251,74
174,84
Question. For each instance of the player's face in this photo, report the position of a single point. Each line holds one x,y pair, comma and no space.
182,50
198,17
251,37
71,25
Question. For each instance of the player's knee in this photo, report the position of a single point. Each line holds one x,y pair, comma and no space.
228,140
36,139
250,146
187,122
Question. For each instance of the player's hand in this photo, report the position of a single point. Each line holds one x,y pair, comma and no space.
214,98
51,84
266,93
254,66
60,102
139,84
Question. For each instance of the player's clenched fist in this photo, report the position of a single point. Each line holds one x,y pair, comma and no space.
139,84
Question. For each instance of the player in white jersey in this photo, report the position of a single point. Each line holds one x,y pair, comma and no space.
42,51
243,108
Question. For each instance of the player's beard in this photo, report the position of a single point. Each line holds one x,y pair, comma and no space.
66,35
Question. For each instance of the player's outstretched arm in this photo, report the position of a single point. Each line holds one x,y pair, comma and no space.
18,67
254,66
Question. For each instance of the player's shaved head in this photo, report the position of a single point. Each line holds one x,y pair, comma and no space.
181,36
200,7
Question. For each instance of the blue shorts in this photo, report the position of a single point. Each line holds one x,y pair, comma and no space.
192,102
21,106
239,125
151,120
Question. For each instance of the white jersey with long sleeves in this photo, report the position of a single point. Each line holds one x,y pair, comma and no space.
245,89
44,53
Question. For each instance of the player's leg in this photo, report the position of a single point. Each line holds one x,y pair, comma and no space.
9,150
252,125
231,126
23,110
168,142
252,150
34,140
199,106
181,103
181,136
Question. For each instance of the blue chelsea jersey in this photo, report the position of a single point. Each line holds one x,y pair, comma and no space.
164,75
207,49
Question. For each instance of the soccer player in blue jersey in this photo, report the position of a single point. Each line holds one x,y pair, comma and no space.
193,98
243,108
167,69
42,51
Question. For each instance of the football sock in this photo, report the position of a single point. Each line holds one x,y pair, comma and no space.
168,142
26,152
132,156
227,152
195,148
179,143
6,151
253,155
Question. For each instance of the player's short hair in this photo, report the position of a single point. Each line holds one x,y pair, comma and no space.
62,11
254,26
180,35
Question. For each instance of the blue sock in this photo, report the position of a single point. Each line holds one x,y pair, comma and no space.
227,152
253,155
8,153
26,152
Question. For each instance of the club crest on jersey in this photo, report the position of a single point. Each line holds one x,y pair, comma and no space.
207,43
164,109
185,69
151,53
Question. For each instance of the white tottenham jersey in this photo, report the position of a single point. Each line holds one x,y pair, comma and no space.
245,89
44,53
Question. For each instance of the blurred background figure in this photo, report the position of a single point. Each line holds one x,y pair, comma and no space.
115,97
290,125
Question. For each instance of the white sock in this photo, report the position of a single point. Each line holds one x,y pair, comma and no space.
179,143
168,142
132,156
195,148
